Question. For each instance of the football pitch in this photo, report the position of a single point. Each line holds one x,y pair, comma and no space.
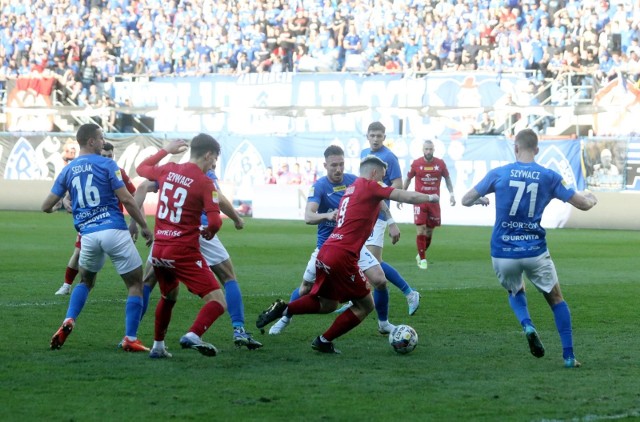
472,361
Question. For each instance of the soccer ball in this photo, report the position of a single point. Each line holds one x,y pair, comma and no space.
403,339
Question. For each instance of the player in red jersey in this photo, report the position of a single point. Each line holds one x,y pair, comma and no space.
72,267
428,172
185,191
338,277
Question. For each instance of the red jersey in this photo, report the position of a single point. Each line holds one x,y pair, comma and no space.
128,184
184,192
428,175
357,214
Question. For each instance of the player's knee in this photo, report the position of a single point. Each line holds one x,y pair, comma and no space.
305,288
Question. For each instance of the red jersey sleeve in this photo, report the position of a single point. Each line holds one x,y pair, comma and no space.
412,170
149,167
211,206
127,182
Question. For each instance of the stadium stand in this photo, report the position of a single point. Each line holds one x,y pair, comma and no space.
567,48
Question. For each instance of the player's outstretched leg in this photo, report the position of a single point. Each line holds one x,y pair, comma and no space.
61,335
130,342
193,341
323,345
381,304
208,314
235,306
394,277
562,317
273,312
285,320
535,344
518,303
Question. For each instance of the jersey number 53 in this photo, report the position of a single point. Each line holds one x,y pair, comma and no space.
172,199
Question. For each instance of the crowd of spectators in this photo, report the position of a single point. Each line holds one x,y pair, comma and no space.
87,42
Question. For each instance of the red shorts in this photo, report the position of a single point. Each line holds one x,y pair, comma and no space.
427,214
338,276
78,238
173,264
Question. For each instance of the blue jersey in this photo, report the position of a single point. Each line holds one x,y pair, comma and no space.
211,175
91,181
328,195
523,190
393,166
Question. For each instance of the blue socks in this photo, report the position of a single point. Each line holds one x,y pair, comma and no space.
562,317
146,293
77,300
395,278
235,306
295,295
381,303
518,304
133,313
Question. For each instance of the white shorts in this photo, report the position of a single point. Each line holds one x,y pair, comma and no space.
540,270
377,235
117,244
366,261
212,250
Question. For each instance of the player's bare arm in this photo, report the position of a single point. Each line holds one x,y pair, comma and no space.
139,196
227,209
473,198
66,203
49,202
412,197
312,217
176,146
405,186
583,201
134,211
394,230
452,198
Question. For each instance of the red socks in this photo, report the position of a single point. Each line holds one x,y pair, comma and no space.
69,275
207,315
163,317
421,243
306,304
343,324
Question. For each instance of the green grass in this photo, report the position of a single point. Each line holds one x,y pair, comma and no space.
472,362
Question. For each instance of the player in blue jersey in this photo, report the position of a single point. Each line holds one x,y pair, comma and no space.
522,191
322,207
96,189
218,260
376,134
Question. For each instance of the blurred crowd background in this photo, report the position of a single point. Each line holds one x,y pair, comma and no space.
85,44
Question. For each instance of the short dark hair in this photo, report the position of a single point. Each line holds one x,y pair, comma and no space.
527,139
375,126
203,143
86,132
108,146
333,150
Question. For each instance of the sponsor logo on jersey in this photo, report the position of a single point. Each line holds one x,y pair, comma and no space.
339,188
160,262
527,225
349,190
